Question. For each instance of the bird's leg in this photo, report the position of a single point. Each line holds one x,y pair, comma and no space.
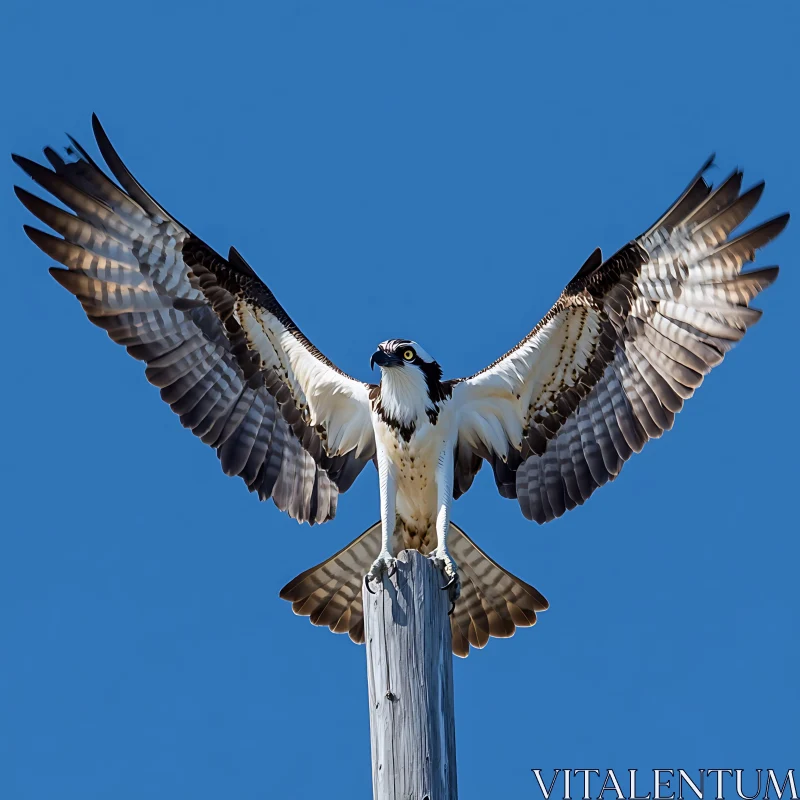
385,562
441,556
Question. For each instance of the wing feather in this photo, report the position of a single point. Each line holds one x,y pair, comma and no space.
611,364
269,406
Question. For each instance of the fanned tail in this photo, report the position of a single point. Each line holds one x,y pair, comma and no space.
330,592
493,602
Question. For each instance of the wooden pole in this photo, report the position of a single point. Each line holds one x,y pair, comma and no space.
410,674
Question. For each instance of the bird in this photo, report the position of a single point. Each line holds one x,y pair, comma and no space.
608,367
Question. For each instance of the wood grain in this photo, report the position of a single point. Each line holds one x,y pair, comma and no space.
410,675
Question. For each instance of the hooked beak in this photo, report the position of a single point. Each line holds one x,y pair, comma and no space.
383,359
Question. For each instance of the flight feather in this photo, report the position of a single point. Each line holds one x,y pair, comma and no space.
625,345
226,356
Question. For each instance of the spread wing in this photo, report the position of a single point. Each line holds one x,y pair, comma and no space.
612,362
226,356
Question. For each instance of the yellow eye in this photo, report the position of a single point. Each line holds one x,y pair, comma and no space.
408,355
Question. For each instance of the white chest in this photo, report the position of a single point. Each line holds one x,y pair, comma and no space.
414,462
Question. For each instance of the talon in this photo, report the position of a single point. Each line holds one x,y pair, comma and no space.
384,564
450,582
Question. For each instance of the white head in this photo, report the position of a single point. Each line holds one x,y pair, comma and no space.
410,380
400,353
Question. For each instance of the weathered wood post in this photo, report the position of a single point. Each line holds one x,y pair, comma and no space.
410,674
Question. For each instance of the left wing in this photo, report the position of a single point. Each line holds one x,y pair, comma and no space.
226,356
614,359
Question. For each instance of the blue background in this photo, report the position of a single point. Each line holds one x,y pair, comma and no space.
434,170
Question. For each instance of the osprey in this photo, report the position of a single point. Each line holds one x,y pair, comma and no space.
612,362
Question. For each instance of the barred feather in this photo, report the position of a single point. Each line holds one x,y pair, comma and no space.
631,337
493,602
127,263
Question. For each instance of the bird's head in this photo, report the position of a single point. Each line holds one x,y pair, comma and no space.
411,381
396,354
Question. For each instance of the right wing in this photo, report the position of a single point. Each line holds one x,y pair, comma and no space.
226,356
612,362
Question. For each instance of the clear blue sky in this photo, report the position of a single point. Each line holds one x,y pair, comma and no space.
433,170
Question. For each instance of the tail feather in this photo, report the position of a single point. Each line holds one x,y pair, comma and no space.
330,593
493,602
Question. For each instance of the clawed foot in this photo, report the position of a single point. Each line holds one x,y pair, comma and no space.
449,569
384,563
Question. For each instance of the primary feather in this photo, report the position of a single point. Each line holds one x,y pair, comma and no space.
628,341
226,356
